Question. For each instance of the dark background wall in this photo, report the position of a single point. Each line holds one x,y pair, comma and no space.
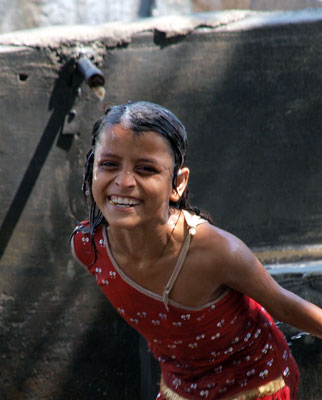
250,97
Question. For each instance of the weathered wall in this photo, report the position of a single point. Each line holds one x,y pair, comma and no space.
248,89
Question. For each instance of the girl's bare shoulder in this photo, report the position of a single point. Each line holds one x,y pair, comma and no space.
216,243
222,258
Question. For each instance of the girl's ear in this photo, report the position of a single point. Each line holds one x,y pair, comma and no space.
181,182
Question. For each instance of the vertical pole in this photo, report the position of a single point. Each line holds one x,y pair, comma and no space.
145,371
145,9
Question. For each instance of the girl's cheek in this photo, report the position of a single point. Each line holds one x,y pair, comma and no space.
95,194
95,174
95,182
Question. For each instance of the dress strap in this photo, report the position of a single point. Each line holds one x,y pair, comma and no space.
192,221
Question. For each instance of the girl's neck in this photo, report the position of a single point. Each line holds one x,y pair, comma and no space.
147,242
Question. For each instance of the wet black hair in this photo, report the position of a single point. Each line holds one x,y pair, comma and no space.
139,117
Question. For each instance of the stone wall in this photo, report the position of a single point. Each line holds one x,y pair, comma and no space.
248,88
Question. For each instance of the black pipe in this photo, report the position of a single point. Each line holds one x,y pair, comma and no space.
94,76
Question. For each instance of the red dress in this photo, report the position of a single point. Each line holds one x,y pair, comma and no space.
228,347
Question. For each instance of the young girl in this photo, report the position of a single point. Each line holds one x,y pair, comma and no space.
195,292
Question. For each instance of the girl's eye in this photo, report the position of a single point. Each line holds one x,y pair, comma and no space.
108,164
146,170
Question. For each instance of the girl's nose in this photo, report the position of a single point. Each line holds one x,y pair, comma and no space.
125,179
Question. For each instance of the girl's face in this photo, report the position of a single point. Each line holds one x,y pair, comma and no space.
132,177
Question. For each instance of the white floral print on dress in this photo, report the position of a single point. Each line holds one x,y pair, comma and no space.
112,274
263,374
216,336
142,314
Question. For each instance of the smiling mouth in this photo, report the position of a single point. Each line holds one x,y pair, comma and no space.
123,201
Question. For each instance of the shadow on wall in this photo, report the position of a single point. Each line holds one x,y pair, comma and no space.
252,111
259,140
61,101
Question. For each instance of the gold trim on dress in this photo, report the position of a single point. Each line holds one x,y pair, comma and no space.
261,391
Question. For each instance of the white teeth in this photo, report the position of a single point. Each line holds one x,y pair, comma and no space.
122,201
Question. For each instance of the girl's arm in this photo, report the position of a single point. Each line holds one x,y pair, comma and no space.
244,273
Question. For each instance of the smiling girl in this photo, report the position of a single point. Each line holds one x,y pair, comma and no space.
195,292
